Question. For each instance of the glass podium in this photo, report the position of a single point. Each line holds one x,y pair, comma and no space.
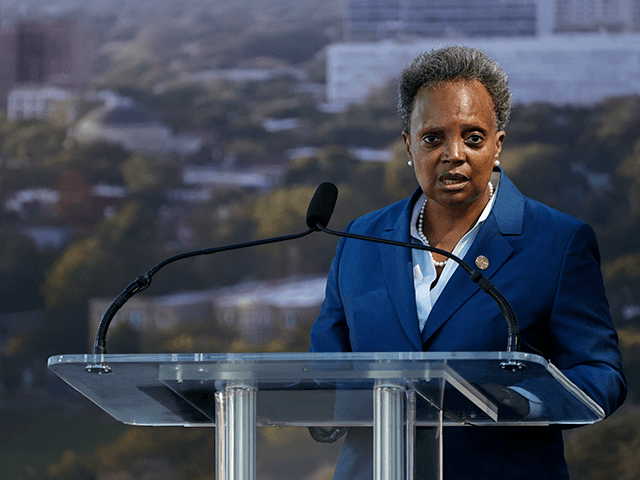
391,392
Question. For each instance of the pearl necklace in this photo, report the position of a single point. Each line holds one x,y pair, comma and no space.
424,238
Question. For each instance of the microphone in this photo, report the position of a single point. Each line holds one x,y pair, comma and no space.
321,206
513,343
318,213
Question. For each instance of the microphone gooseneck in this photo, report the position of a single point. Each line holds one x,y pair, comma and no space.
319,212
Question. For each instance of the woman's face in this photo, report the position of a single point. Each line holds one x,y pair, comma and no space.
453,142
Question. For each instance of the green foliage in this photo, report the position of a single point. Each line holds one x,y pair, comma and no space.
141,175
292,107
293,47
629,340
622,275
332,163
247,152
372,124
98,162
159,40
36,154
281,211
617,121
399,178
88,266
178,453
27,439
71,274
528,157
32,141
22,269
547,124
630,165
606,450
134,65
177,104
628,171
124,339
183,452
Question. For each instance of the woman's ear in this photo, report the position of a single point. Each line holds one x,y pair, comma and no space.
407,145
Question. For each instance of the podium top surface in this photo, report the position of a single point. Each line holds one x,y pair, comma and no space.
310,389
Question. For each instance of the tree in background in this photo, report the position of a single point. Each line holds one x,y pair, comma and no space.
22,268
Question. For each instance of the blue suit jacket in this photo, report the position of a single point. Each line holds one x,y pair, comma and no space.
544,262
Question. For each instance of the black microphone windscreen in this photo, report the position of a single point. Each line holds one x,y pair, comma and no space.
321,205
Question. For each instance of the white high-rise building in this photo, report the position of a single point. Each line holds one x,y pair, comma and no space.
597,16
374,20
558,51
370,20
561,69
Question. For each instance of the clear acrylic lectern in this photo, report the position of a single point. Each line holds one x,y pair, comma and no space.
392,392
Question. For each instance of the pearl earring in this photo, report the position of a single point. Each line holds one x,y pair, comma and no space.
410,163
497,163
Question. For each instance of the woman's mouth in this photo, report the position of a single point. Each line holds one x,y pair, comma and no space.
453,182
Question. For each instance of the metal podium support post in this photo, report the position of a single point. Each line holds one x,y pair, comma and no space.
236,433
389,435
410,431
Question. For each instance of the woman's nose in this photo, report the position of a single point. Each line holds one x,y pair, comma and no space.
453,151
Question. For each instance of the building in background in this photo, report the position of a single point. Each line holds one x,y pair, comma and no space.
563,69
35,102
134,129
576,52
45,53
597,16
257,312
373,20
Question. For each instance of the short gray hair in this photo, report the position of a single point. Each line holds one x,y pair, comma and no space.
452,63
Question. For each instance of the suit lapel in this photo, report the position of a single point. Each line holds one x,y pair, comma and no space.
491,242
460,288
397,268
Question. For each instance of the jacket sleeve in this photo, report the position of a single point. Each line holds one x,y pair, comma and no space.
585,341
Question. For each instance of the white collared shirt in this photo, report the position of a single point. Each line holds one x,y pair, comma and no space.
424,272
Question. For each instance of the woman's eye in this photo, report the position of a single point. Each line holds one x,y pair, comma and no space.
475,138
429,138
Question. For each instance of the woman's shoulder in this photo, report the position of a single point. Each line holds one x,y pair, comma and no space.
547,225
543,214
515,207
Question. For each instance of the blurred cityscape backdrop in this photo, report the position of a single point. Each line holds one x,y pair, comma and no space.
132,130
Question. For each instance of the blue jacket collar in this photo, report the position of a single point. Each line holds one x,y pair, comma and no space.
506,219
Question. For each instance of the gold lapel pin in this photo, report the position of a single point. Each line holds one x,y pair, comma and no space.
482,262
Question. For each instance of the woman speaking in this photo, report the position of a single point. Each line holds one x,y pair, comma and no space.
455,104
